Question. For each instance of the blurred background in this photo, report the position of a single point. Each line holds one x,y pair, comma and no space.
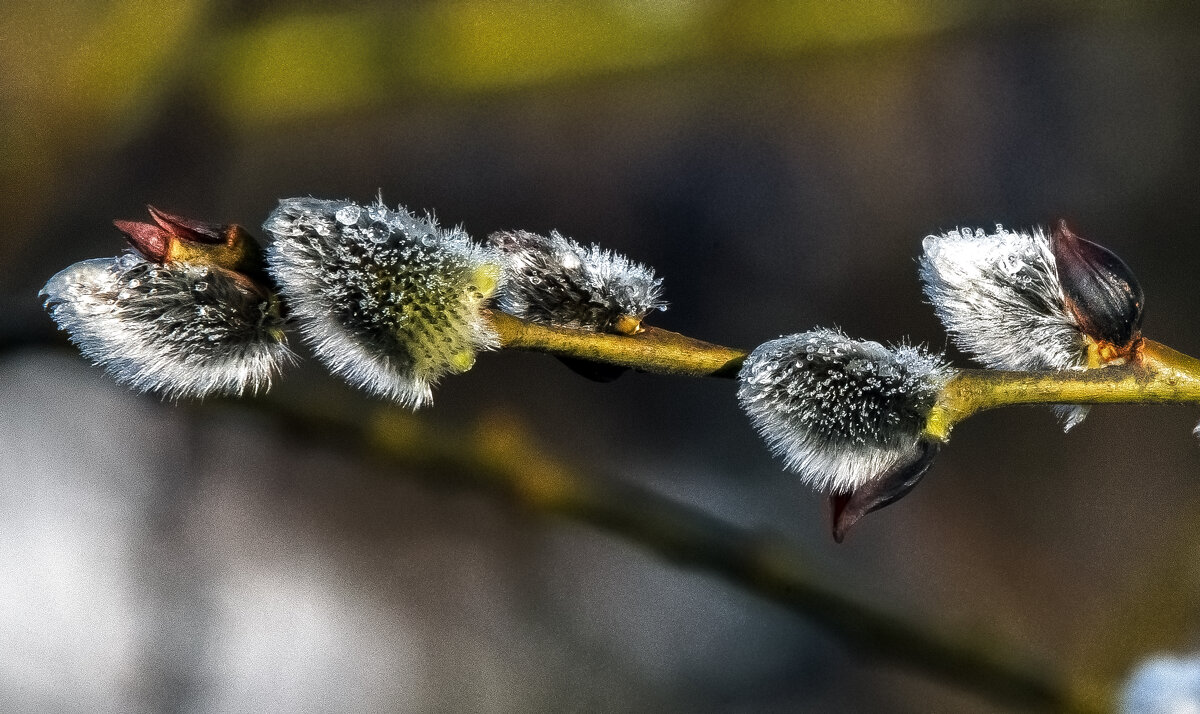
778,163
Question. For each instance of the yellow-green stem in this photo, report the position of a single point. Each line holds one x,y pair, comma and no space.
1159,375
651,350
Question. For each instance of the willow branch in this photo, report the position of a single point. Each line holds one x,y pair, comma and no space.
498,457
651,350
1159,375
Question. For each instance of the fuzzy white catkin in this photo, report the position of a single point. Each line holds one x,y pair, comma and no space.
840,411
1163,685
389,301
180,329
555,281
1000,298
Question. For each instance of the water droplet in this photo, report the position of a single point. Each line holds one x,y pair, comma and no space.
124,295
348,215
376,212
200,286
428,239
535,280
134,283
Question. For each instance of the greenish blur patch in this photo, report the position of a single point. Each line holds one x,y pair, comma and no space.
300,65
303,65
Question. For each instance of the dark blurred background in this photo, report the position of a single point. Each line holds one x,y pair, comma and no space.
777,162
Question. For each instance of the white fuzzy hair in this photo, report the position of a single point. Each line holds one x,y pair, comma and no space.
180,329
839,411
556,281
387,300
1000,298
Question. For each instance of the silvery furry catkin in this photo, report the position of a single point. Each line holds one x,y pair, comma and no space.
388,300
555,281
840,412
1000,297
179,329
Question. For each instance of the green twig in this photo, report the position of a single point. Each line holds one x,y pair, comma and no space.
651,350
1156,375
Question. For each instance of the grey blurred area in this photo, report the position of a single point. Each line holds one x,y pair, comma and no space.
777,163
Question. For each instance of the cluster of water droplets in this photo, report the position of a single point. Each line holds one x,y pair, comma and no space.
838,410
389,300
556,281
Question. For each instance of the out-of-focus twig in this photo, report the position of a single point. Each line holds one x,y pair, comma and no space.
500,458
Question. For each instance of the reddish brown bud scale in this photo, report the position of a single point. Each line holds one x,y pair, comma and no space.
151,241
188,229
883,490
176,239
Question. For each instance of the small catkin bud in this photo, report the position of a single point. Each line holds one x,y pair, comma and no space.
179,329
847,415
1001,298
389,301
556,281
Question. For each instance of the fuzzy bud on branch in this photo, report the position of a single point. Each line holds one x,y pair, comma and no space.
174,315
388,300
556,281
1033,301
847,415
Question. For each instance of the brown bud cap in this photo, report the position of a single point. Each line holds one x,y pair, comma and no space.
151,241
187,229
174,238
1102,292
883,490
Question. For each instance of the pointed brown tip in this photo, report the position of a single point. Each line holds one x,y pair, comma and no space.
1101,290
883,490
187,228
837,504
151,241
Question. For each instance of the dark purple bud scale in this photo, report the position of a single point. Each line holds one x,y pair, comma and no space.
1101,291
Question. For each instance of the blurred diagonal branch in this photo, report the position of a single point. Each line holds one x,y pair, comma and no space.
500,458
